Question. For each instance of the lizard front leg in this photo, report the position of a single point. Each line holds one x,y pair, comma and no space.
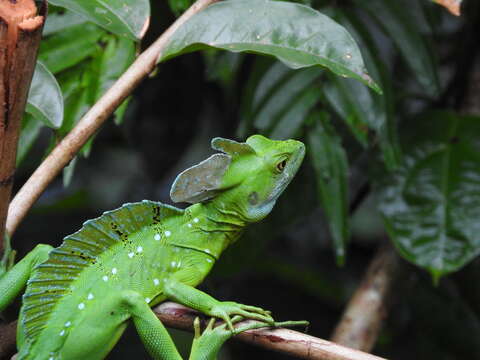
198,300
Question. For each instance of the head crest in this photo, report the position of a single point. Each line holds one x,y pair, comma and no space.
202,181
231,147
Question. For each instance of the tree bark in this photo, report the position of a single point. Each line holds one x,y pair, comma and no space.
285,341
20,33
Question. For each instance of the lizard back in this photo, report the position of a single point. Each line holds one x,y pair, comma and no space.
52,279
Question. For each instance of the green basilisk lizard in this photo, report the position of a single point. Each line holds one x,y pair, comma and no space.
80,295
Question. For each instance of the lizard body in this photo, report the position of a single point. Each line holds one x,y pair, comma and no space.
80,296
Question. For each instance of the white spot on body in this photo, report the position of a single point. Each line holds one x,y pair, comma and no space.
189,225
131,254
168,233
114,270
148,300
209,260
105,278
51,358
68,323
173,263
90,296
157,237
156,282
81,306
62,332
195,220
258,37
139,249
207,251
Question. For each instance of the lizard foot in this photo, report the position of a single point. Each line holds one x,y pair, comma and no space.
225,309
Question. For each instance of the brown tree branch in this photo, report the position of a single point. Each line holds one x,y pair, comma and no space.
64,152
20,33
363,317
281,340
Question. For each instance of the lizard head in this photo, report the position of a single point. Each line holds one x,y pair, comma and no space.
265,175
246,178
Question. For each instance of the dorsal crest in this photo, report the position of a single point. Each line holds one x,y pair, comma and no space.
53,278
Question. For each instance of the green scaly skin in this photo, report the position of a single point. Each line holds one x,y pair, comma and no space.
166,258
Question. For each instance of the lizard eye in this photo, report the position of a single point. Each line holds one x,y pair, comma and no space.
281,165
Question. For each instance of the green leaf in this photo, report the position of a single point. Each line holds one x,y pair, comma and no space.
178,6
292,119
85,83
28,135
295,34
108,65
255,77
45,100
58,22
404,32
127,18
331,167
75,97
68,172
431,205
353,105
358,105
70,46
279,100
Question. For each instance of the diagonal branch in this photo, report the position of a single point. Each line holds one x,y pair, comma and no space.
281,340
65,151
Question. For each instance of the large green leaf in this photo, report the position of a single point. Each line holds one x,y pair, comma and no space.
45,100
431,205
295,34
331,167
405,33
128,18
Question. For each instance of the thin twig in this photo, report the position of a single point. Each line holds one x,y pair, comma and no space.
64,152
281,340
363,317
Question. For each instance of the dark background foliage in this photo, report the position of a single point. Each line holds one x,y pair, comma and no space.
412,153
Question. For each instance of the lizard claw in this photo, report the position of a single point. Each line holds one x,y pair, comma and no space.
196,327
224,310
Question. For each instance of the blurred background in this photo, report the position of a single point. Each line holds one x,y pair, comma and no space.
290,263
